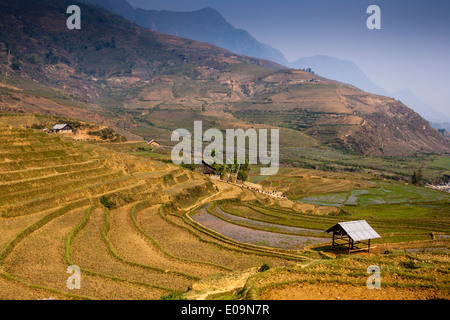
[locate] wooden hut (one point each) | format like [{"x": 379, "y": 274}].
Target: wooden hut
[
  {"x": 353, "y": 234},
  {"x": 154, "y": 143},
  {"x": 62, "y": 128},
  {"x": 205, "y": 169}
]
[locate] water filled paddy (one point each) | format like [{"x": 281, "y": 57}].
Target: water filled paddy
[
  {"x": 384, "y": 193},
  {"x": 244, "y": 231}
]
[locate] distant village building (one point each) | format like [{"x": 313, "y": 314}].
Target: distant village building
[
  {"x": 62, "y": 128},
  {"x": 352, "y": 233},
  {"x": 205, "y": 169},
  {"x": 154, "y": 143}
]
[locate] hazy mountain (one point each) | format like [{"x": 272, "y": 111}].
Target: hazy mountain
[
  {"x": 120, "y": 7},
  {"x": 206, "y": 25},
  {"x": 407, "y": 97},
  {"x": 340, "y": 70},
  {"x": 149, "y": 83}
]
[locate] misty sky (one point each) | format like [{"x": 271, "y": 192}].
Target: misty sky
[{"x": 412, "y": 49}]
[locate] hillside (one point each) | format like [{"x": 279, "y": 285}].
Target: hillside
[
  {"x": 146, "y": 84},
  {"x": 206, "y": 25},
  {"x": 109, "y": 47},
  {"x": 42, "y": 171}
]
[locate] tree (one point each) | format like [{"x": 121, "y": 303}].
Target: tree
[
  {"x": 220, "y": 171},
  {"x": 243, "y": 170},
  {"x": 242, "y": 175},
  {"x": 414, "y": 179},
  {"x": 264, "y": 267},
  {"x": 417, "y": 177}
]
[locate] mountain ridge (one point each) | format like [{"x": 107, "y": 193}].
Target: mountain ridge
[
  {"x": 149, "y": 83},
  {"x": 205, "y": 25}
]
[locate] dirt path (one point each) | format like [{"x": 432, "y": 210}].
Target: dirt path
[{"x": 226, "y": 191}]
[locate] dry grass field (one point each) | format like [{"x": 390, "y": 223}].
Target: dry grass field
[{"x": 404, "y": 276}]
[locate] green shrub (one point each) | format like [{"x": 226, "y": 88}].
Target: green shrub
[
  {"x": 108, "y": 203},
  {"x": 264, "y": 267}
]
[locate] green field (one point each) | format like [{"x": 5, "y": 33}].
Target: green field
[
  {"x": 384, "y": 193},
  {"x": 395, "y": 223}
]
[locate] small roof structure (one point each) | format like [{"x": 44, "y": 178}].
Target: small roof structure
[
  {"x": 60, "y": 126},
  {"x": 205, "y": 168},
  {"x": 153, "y": 142},
  {"x": 357, "y": 230}
]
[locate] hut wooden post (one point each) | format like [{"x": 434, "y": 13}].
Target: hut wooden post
[
  {"x": 332, "y": 244},
  {"x": 349, "y": 244}
]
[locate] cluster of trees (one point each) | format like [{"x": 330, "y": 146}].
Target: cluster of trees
[
  {"x": 13, "y": 54},
  {"x": 308, "y": 70},
  {"x": 108, "y": 134},
  {"x": 228, "y": 171},
  {"x": 50, "y": 121},
  {"x": 233, "y": 171}
]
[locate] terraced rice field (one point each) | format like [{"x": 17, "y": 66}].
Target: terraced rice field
[
  {"x": 297, "y": 183},
  {"x": 140, "y": 247},
  {"x": 252, "y": 236},
  {"x": 404, "y": 276},
  {"x": 395, "y": 223},
  {"x": 143, "y": 229}
]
